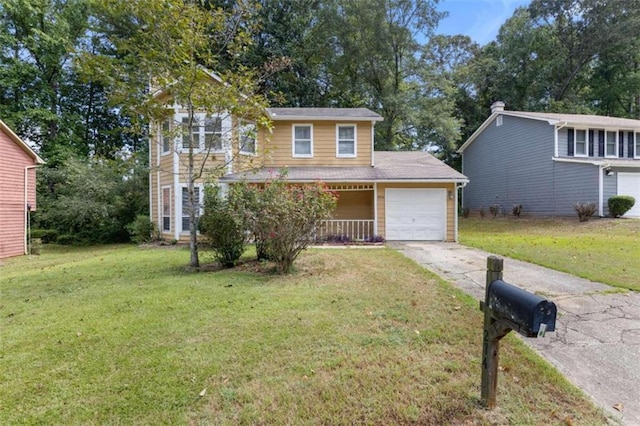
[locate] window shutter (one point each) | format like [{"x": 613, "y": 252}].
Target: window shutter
[
  {"x": 630, "y": 145},
  {"x": 601, "y": 143},
  {"x": 591, "y": 140},
  {"x": 570, "y": 142},
  {"x": 621, "y": 144}
]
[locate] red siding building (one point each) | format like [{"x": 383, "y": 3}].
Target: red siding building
[{"x": 18, "y": 164}]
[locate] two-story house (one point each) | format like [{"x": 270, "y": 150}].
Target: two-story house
[
  {"x": 18, "y": 164},
  {"x": 396, "y": 195},
  {"x": 548, "y": 162}
]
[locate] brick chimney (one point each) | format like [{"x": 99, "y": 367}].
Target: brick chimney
[{"x": 497, "y": 107}]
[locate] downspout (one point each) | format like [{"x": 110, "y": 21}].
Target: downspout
[
  {"x": 601, "y": 168},
  {"x": 375, "y": 208},
  {"x": 26, "y": 210},
  {"x": 177, "y": 189},
  {"x": 555, "y": 138},
  {"x": 458, "y": 186},
  {"x": 373, "y": 145}
]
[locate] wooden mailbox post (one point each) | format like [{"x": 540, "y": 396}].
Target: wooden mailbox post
[{"x": 507, "y": 308}]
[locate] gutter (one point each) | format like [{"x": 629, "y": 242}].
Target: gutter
[{"x": 27, "y": 229}]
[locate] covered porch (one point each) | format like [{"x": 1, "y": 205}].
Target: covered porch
[{"x": 354, "y": 217}]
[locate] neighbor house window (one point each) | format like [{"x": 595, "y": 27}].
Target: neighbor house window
[
  {"x": 165, "y": 131},
  {"x": 303, "y": 140},
  {"x": 611, "y": 144},
  {"x": 581, "y": 143},
  {"x": 187, "y": 207},
  {"x": 247, "y": 138},
  {"x": 636, "y": 151},
  {"x": 166, "y": 209},
  {"x": 213, "y": 133},
  {"x": 346, "y": 140}
]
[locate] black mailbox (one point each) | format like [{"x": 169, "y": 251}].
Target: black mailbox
[{"x": 525, "y": 312}]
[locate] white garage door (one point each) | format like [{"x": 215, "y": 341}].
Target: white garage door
[
  {"x": 416, "y": 214},
  {"x": 629, "y": 184}
]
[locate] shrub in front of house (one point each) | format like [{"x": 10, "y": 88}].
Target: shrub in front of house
[
  {"x": 466, "y": 211},
  {"x": 585, "y": 210},
  {"x": 223, "y": 225},
  {"x": 494, "y": 210},
  {"x": 142, "y": 230},
  {"x": 516, "y": 210},
  {"x": 620, "y": 204}
]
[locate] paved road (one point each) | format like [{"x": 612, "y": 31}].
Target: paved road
[{"x": 597, "y": 339}]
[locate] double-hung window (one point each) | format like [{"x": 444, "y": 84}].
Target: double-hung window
[
  {"x": 187, "y": 207},
  {"x": 165, "y": 136},
  {"x": 636, "y": 146},
  {"x": 212, "y": 133},
  {"x": 581, "y": 143},
  {"x": 611, "y": 143},
  {"x": 346, "y": 140},
  {"x": 190, "y": 132},
  {"x": 166, "y": 209},
  {"x": 247, "y": 138},
  {"x": 302, "y": 140}
]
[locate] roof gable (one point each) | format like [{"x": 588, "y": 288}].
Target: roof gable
[{"x": 15, "y": 138}]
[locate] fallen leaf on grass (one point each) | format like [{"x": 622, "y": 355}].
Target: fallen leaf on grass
[{"x": 203, "y": 392}]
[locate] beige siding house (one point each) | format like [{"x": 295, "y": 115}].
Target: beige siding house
[
  {"x": 394, "y": 195},
  {"x": 18, "y": 164}
]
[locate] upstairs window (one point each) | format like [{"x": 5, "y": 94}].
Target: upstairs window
[
  {"x": 187, "y": 133},
  {"x": 213, "y": 133},
  {"x": 611, "y": 144},
  {"x": 302, "y": 140},
  {"x": 346, "y": 140},
  {"x": 581, "y": 143},
  {"x": 165, "y": 135},
  {"x": 247, "y": 138}
]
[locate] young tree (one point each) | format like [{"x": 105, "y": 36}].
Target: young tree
[{"x": 164, "y": 52}]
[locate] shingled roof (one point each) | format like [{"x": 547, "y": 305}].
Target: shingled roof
[
  {"x": 334, "y": 114},
  {"x": 578, "y": 119},
  {"x": 389, "y": 167}
]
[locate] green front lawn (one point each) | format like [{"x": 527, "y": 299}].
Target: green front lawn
[
  {"x": 123, "y": 335},
  {"x": 603, "y": 250}
]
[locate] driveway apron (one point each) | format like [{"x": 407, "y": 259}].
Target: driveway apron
[{"x": 596, "y": 344}]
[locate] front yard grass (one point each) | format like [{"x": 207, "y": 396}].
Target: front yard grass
[
  {"x": 123, "y": 335},
  {"x": 602, "y": 250}
]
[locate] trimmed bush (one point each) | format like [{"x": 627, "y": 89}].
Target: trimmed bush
[
  {"x": 620, "y": 204},
  {"x": 142, "y": 230},
  {"x": 68, "y": 240},
  {"x": 45, "y": 235},
  {"x": 585, "y": 210},
  {"x": 482, "y": 211},
  {"x": 466, "y": 211},
  {"x": 494, "y": 210},
  {"x": 516, "y": 210}
]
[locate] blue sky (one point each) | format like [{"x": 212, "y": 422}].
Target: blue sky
[{"x": 479, "y": 19}]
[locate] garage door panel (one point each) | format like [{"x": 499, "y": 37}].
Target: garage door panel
[
  {"x": 415, "y": 214},
  {"x": 629, "y": 184}
]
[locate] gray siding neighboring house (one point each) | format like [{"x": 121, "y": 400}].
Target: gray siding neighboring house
[{"x": 549, "y": 162}]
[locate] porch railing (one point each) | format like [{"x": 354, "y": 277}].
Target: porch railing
[{"x": 355, "y": 230}]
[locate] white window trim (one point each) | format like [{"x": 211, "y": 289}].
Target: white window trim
[
  {"x": 161, "y": 208},
  {"x": 199, "y": 117},
  {"x": 293, "y": 140},
  {"x": 355, "y": 141},
  {"x": 241, "y": 127},
  {"x": 575, "y": 142},
  {"x": 636, "y": 144},
  {"x": 179, "y": 212},
  {"x": 616, "y": 144}
]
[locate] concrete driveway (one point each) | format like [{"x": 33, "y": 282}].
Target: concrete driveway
[{"x": 597, "y": 339}]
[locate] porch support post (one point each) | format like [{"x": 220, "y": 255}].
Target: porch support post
[{"x": 375, "y": 208}]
